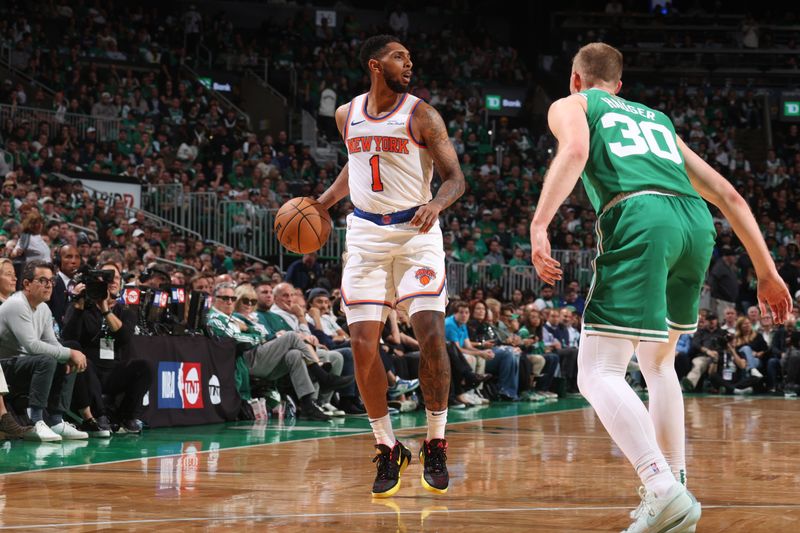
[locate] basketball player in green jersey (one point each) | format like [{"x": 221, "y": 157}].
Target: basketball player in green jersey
[{"x": 655, "y": 236}]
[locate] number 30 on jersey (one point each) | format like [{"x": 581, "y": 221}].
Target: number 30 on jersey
[{"x": 642, "y": 136}]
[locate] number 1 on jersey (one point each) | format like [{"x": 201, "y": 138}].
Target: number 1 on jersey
[{"x": 375, "y": 164}]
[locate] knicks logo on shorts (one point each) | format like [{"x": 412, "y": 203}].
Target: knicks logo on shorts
[{"x": 425, "y": 275}]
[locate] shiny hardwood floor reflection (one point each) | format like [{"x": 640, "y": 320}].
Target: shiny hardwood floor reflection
[{"x": 547, "y": 472}]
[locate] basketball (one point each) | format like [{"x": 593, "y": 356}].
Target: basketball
[{"x": 302, "y": 225}]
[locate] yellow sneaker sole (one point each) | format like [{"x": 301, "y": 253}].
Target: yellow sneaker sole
[
  {"x": 431, "y": 488},
  {"x": 391, "y": 492}
]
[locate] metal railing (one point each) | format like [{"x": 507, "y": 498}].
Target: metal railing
[
  {"x": 7, "y": 60},
  {"x": 157, "y": 221},
  {"x": 107, "y": 128},
  {"x": 163, "y": 200},
  {"x": 248, "y": 227},
  {"x": 577, "y": 266},
  {"x": 181, "y": 266},
  {"x": 232, "y": 223}
]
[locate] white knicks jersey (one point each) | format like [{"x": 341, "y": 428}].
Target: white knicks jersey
[{"x": 389, "y": 170}]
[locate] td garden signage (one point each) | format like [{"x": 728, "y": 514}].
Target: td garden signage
[
  {"x": 789, "y": 110},
  {"x": 506, "y": 101}
]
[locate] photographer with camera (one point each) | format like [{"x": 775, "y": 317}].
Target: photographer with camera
[
  {"x": 103, "y": 327},
  {"x": 154, "y": 277},
  {"x": 728, "y": 370}
]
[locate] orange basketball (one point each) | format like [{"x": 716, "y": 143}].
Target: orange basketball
[{"x": 302, "y": 225}]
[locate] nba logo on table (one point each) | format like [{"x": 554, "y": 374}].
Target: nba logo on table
[{"x": 179, "y": 385}]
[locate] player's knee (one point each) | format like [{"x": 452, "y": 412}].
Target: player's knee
[{"x": 363, "y": 347}]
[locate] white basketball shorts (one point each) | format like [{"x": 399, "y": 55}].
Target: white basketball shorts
[{"x": 391, "y": 266}]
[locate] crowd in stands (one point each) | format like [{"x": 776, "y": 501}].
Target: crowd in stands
[
  {"x": 689, "y": 27},
  {"x": 174, "y": 132}
]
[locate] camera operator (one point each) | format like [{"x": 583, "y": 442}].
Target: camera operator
[
  {"x": 103, "y": 327},
  {"x": 154, "y": 277},
  {"x": 728, "y": 368}
]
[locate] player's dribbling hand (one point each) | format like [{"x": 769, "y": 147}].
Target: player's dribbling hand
[
  {"x": 774, "y": 295},
  {"x": 425, "y": 217},
  {"x": 546, "y": 267}
]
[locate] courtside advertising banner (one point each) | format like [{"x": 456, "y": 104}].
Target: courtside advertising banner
[{"x": 193, "y": 380}]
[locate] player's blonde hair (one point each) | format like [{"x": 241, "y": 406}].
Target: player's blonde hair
[{"x": 598, "y": 62}]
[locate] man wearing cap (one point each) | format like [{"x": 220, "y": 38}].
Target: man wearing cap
[
  {"x": 724, "y": 281},
  {"x": 48, "y": 206},
  {"x": 119, "y": 237},
  {"x": 155, "y": 277},
  {"x": 84, "y": 246},
  {"x": 105, "y": 107},
  {"x": 319, "y": 314},
  {"x": 706, "y": 345}
]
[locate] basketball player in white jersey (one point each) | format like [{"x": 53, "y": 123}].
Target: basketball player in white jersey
[{"x": 394, "y": 254}]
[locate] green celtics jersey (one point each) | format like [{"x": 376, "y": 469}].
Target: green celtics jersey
[{"x": 632, "y": 148}]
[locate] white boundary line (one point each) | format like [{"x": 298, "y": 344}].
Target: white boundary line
[
  {"x": 305, "y": 516},
  {"x": 365, "y": 432}
]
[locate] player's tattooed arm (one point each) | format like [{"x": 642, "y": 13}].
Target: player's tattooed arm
[
  {"x": 341, "y": 186},
  {"x": 431, "y": 130}
]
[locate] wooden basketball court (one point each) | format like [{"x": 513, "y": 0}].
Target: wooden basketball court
[{"x": 514, "y": 467}]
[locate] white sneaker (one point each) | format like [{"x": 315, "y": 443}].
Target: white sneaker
[
  {"x": 69, "y": 432},
  {"x": 474, "y": 398},
  {"x": 42, "y": 433},
  {"x": 481, "y": 397},
  {"x": 748, "y": 390},
  {"x": 550, "y": 395},
  {"x": 331, "y": 410},
  {"x": 756, "y": 373},
  {"x": 677, "y": 511}
]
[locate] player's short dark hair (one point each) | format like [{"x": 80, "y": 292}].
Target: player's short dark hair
[{"x": 373, "y": 46}]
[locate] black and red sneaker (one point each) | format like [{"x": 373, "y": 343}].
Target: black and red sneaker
[
  {"x": 391, "y": 462},
  {"x": 433, "y": 456}
]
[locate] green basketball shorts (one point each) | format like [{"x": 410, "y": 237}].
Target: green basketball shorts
[{"x": 653, "y": 253}]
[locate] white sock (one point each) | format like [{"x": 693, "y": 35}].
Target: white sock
[
  {"x": 665, "y": 404},
  {"x": 437, "y": 420},
  {"x": 602, "y": 362},
  {"x": 382, "y": 429}
]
